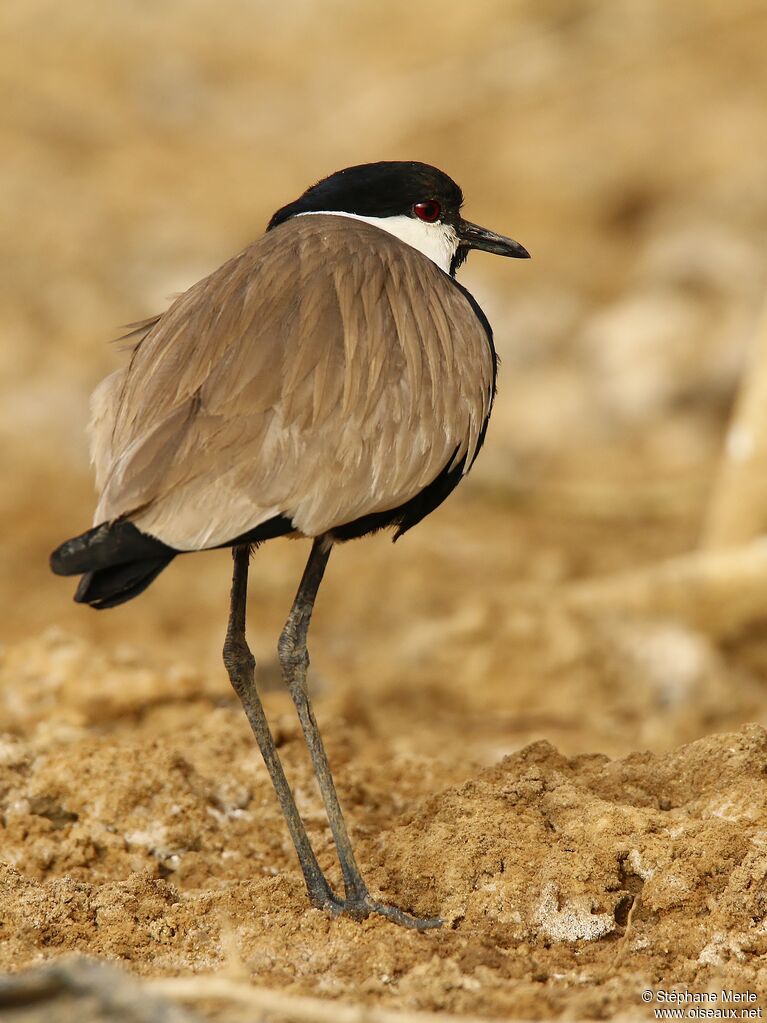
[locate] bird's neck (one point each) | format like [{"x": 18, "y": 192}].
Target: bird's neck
[{"x": 437, "y": 241}]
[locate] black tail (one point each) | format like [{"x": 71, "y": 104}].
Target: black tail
[{"x": 117, "y": 562}]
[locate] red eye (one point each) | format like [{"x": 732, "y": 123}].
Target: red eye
[{"x": 428, "y": 211}]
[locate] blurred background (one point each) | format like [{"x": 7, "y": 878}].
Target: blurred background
[{"x": 623, "y": 143}]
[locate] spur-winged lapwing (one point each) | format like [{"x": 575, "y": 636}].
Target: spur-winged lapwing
[{"x": 331, "y": 380}]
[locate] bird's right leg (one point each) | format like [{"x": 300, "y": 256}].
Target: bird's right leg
[
  {"x": 294, "y": 658},
  {"x": 240, "y": 664}
]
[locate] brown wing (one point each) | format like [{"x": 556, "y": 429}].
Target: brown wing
[{"x": 327, "y": 372}]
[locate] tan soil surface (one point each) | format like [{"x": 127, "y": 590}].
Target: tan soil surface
[
  {"x": 140, "y": 825},
  {"x": 468, "y": 701},
  {"x": 140, "y": 830}
]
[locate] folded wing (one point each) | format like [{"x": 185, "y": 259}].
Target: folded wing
[{"x": 327, "y": 372}]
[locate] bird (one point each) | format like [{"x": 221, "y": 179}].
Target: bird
[{"x": 331, "y": 380}]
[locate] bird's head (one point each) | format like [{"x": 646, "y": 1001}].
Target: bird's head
[{"x": 414, "y": 201}]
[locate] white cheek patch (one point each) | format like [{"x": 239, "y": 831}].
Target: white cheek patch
[{"x": 437, "y": 241}]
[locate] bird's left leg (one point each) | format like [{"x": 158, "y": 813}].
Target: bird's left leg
[
  {"x": 294, "y": 659},
  {"x": 241, "y": 665}
]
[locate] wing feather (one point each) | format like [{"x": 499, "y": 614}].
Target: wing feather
[{"x": 327, "y": 372}]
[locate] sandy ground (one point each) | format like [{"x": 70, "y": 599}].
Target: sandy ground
[
  {"x": 575, "y": 784},
  {"x": 142, "y": 828}
]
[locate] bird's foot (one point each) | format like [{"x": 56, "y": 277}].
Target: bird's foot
[
  {"x": 363, "y": 905},
  {"x": 369, "y": 905}
]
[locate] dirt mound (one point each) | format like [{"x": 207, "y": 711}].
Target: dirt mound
[{"x": 153, "y": 837}]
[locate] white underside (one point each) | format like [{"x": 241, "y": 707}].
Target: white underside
[{"x": 437, "y": 241}]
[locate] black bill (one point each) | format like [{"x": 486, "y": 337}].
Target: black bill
[{"x": 474, "y": 237}]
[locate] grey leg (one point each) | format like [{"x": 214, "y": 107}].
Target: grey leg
[
  {"x": 240, "y": 664},
  {"x": 294, "y": 659}
]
